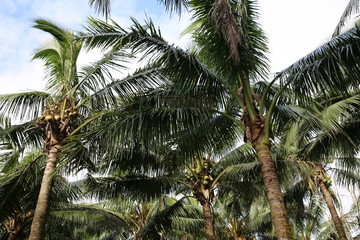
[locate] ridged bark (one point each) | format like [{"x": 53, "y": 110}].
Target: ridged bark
[
  {"x": 38, "y": 224},
  {"x": 209, "y": 228},
  {"x": 334, "y": 215},
  {"x": 279, "y": 216}
]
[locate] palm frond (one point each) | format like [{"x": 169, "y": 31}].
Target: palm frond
[
  {"x": 165, "y": 219},
  {"x": 339, "y": 112},
  {"x": 183, "y": 67},
  {"x": 101, "y": 6},
  {"x": 60, "y": 57},
  {"x": 216, "y": 42},
  {"x": 244, "y": 153},
  {"x": 346, "y": 178},
  {"x": 334, "y": 66},
  {"x": 19, "y": 189},
  {"x": 96, "y": 76},
  {"x": 175, "y": 5},
  {"x": 351, "y": 8},
  {"x": 130, "y": 186},
  {"x": 23, "y": 106},
  {"x": 225, "y": 21},
  {"x": 25, "y": 134},
  {"x": 125, "y": 89},
  {"x": 85, "y": 212},
  {"x": 57, "y": 32}
]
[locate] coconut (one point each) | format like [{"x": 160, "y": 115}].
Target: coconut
[
  {"x": 57, "y": 117},
  {"x": 48, "y": 117}
]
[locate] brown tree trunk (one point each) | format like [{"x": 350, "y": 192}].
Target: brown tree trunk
[
  {"x": 38, "y": 224},
  {"x": 279, "y": 216},
  {"x": 12, "y": 236},
  {"x": 334, "y": 215},
  {"x": 209, "y": 229}
]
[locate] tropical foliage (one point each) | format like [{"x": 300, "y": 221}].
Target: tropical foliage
[{"x": 196, "y": 143}]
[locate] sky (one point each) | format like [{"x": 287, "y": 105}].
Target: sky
[{"x": 294, "y": 28}]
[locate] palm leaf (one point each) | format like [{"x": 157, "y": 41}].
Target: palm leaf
[
  {"x": 23, "y": 106},
  {"x": 351, "y": 8},
  {"x": 130, "y": 186},
  {"x": 25, "y": 134},
  {"x": 165, "y": 219},
  {"x": 57, "y": 32},
  {"x": 95, "y": 76},
  {"x": 18, "y": 189},
  {"x": 334, "y": 66},
  {"x": 101, "y": 6},
  {"x": 230, "y": 30}
]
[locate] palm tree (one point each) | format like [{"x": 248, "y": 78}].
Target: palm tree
[
  {"x": 87, "y": 221},
  {"x": 19, "y": 189},
  {"x": 221, "y": 184},
  {"x": 62, "y": 109},
  {"x": 316, "y": 180},
  {"x": 324, "y": 134},
  {"x": 232, "y": 76},
  {"x": 147, "y": 216},
  {"x": 230, "y": 52}
]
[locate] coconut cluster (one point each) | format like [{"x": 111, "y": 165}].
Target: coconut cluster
[
  {"x": 199, "y": 177},
  {"x": 321, "y": 176},
  {"x": 57, "y": 121},
  {"x": 326, "y": 179},
  {"x": 55, "y": 114}
]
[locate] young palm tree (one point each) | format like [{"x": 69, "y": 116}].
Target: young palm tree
[
  {"x": 314, "y": 185},
  {"x": 148, "y": 214},
  {"x": 54, "y": 115},
  {"x": 19, "y": 189},
  {"x": 87, "y": 221},
  {"x": 326, "y": 133}
]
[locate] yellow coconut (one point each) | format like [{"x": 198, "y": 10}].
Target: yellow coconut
[
  {"x": 57, "y": 117},
  {"x": 48, "y": 117}
]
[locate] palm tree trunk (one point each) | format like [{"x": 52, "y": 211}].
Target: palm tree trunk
[
  {"x": 279, "y": 216},
  {"x": 39, "y": 220},
  {"x": 12, "y": 236},
  {"x": 209, "y": 229},
  {"x": 334, "y": 215}
]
